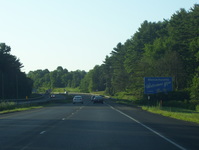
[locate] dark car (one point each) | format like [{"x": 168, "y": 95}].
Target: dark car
[{"x": 98, "y": 99}]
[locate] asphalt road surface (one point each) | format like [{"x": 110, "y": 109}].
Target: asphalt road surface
[{"x": 94, "y": 127}]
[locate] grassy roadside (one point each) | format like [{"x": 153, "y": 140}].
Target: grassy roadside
[
  {"x": 10, "y": 107},
  {"x": 172, "y": 112},
  {"x": 177, "y": 113},
  {"x": 20, "y": 109}
]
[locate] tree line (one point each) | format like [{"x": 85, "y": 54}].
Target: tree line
[
  {"x": 13, "y": 83},
  {"x": 168, "y": 48},
  {"x": 45, "y": 79}
]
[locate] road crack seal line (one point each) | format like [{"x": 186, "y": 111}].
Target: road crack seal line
[
  {"x": 25, "y": 147},
  {"x": 42, "y": 132},
  {"x": 155, "y": 132}
]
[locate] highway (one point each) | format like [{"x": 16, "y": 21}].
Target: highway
[{"x": 91, "y": 126}]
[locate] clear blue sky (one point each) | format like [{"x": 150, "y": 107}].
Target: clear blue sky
[{"x": 75, "y": 34}]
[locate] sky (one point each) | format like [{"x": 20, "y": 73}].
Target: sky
[{"x": 75, "y": 34}]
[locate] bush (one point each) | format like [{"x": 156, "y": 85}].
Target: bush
[
  {"x": 197, "y": 108},
  {"x": 178, "y": 104},
  {"x": 193, "y": 104},
  {"x": 171, "y": 99},
  {"x": 7, "y": 105},
  {"x": 125, "y": 95}
]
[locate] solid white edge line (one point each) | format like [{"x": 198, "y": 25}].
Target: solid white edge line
[{"x": 155, "y": 132}]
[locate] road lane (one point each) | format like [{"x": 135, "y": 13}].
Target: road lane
[
  {"x": 183, "y": 133},
  {"x": 15, "y": 128},
  {"x": 100, "y": 127},
  {"x": 150, "y": 129},
  {"x": 74, "y": 127}
]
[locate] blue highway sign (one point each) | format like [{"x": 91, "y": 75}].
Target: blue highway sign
[{"x": 154, "y": 85}]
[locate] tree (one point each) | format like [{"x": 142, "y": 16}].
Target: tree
[
  {"x": 108, "y": 75},
  {"x": 120, "y": 75},
  {"x": 183, "y": 30},
  {"x": 14, "y": 83}
]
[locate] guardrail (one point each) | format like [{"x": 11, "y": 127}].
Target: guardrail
[{"x": 29, "y": 100}]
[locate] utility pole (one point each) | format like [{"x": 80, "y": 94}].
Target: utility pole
[
  {"x": 2, "y": 79},
  {"x": 17, "y": 88}
]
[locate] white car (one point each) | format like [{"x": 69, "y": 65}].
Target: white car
[
  {"x": 92, "y": 97},
  {"x": 78, "y": 99}
]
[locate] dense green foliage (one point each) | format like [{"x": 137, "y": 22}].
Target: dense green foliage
[
  {"x": 13, "y": 82},
  {"x": 169, "y": 48},
  {"x": 57, "y": 78}
]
